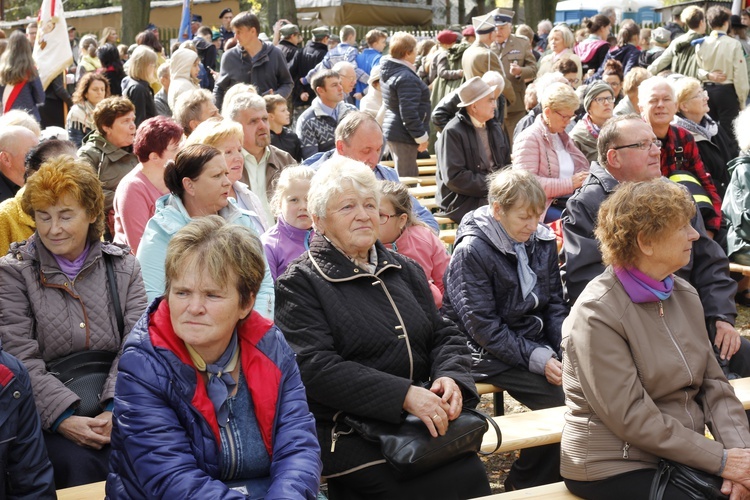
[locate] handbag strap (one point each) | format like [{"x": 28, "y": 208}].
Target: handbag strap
[
  {"x": 660, "y": 481},
  {"x": 113, "y": 292},
  {"x": 494, "y": 424}
]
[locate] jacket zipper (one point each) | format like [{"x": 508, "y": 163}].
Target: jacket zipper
[
  {"x": 625, "y": 450},
  {"x": 336, "y": 434},
  {"x": 682, "y": 355}
]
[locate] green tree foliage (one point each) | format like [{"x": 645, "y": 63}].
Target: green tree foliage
[{"x": 537, "y": 10}]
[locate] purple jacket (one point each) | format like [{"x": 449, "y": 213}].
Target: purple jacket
[{"x": 284, "y": 243}]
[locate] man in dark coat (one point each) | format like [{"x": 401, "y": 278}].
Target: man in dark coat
[
  {"x": 708, "y": 270},
  {"x": 308, "y": 58},
  {"x": 467, "y": 153}
]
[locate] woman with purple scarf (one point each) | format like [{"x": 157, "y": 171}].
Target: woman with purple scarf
[
  {"x": 641, "y": 383},
  {"x": 57, "y": 300}
]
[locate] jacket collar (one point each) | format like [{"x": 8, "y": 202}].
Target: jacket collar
[
  {"x": 598, "y": 175},
  {"x": 334, "y": 266},
  {"x": 479, "y": 222}
]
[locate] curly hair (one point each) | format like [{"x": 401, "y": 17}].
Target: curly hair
[
  {"x": 64, "y": 175},
  {"x": 79, "y": 96},
  {"x": 649, "y": 209}
]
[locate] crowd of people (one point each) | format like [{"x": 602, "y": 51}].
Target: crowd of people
[{"x": 216, "y": 234}]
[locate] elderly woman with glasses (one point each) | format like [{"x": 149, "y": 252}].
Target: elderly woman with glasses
[
  {"x": 641, "y": 383},
  {"x": 371, "y": 343},
  {"x": 715, "y": 147},
  {"x": 599, "y": 101},
  {"x": 545, "y": 150}
]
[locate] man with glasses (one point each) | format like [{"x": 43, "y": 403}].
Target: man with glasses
[
  {"x": 656, "y": 100},
  {"x": 630, "y": 152}
]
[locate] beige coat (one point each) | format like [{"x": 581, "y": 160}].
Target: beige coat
[
  {"x": 478, "y": 60},
  {"x": 640, "y": 382},
  {"x": 519, "y": 50}
]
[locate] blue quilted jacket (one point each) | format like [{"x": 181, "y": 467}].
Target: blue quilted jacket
[
  {"x": 165, "y": 437},
  {"x": 483, "y": 295},
  {"x": 407, "y": 102}
]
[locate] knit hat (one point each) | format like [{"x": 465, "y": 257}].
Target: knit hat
[
  {"x": 483, "y": 24},
  {"x": 473, "y": 90},
  {"x": 593, "y": 90},
  {"x": 447, "y": 36}
]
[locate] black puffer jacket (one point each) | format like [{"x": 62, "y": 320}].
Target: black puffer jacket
[
  {"x": 407, "y": 102},
  {"x": 361, "y": 341},
  {"x": 463, "y": 169},
  {"x": 483, "y": 295},
  {"x": 307, "y": 59}
]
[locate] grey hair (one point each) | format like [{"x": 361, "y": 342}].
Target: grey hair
[
  {"x": 336, "y": 175},
  {"x": 21, "y": 118},
  {"x": 351, "y": 123},
  {"x": 241, "y": 102},
  {"x": 189, "y": 106},
  {"x": 512, "y": 186},
  {"x": 648, "y": 85},
  {"x": 236, "y": 89},
  {"x": 545, "y": 25}
]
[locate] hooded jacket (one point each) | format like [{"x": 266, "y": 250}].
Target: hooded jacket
[
  {"x": 407, "y": 102},
  {"x": 628, "y": 55},
  {"x": 47, "y": 316},
  {"x": 180, "y": 66},
  {"x": 165, "y": 436},
  {"x": 483, "y": 295},
  {"x": 679, "y": 56},
  {"x": 462, "y": 168},
  {"x": 169, "y": 217}
]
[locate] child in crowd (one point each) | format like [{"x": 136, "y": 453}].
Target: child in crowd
[
  {"x": 290, "y": 237},
  {"x": 278, "y": 120},
  {"x": 402, "y": 232}
]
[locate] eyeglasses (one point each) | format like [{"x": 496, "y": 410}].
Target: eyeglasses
[
  {"x": 702, "y": 95},
  {"x": 566, "y": 118},
  {"x": 384, "y": 218},
  {"x": 573, "y": 81},
  {"x": 643, "y": 145},
  {"x": 602, "y": 100}
]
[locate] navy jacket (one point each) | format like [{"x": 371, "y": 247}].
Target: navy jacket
[
  {"x": 407, "y": 102},
  {"x": 483, "y": 296},
  {"x": 25, "y": 470},
  {"x": 165, "y": 437}
]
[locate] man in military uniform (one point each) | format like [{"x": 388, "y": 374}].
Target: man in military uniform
[
  {"x": 479, "y": 58},
  {"x": 518, "y": 63}
]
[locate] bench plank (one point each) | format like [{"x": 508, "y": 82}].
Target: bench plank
[
  {"x": 92, "y": 491},
  {"x": 526, "y": 430},
  {"x": 428, "y": 169},
  {"x": 448, "y": 236},
  {"x": 552, "y": 491},
  {"x": 423, "y": 191},
  {"x": 737, "y": 268}
]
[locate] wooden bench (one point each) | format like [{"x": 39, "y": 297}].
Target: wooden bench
[
  {"x": 448, "y": 236},
  {"x": 428, "y": 170},
  {"x": 421, "y": 162},
  {"x": 423, "y": 191},
  {"x": 409, "y": 181},
  {"x": 93, "y": 491},
  {"x": 444, "y": 221},
  {"x": 554, "y": 491},
  {"x": 428, "y": 203},
  {"x": 737, "y": 268}
]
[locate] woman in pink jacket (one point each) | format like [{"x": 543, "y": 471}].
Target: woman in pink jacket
[{"x": 545, "y": 150}]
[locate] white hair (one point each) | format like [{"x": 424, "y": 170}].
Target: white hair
[
  {"x": 240, "y": 102},
  {"x": 336, "y": 175},
  {"x": 648, "y": 85}
]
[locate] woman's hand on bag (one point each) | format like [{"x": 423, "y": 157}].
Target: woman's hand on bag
[
  {"x": 450, "y": 393},
  {"x": 85, "y": 431},
  {"x": 429, "y": 408},
  {"x": 737, "y": 468}
]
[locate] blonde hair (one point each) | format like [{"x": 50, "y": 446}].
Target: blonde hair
[
  {"x": 560, "y": 96},
  {"x": 140, "y": 61},
  {"x": 684, "y": 89},
  {"x": 286, "y": 178},
  {"x": 398, "y": 194},
  {"x": 649, "y": 209},
  {"x": 215, "y": 130}
]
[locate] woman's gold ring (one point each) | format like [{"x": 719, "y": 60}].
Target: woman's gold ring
[{"x": 434, "y": 417}]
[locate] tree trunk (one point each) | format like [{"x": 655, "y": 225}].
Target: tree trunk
[
  {"x": 135, "y": 18},
  {"x": 461, "y": 12},
  {"x": 537, "y": 10},
  {"x": 272, "y": 11},
  {"x": 447, "y": 12},
  {"x": 288, "y": 10}
]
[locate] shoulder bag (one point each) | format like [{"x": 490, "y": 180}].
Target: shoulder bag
[
  {"x": 695, "y": 483},
  {"x": 85, "y": 372},
  {"x": 410, "y": 449}
]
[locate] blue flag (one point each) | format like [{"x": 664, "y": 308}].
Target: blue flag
[{"x": 185, "y": 32}]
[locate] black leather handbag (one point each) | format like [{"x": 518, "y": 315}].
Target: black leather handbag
[
  {"x": 695, "y": 483},
  {"x": 85, "y": 372},
  {"x": 410, "y": 449}
]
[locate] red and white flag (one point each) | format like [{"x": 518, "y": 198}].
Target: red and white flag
[{"x": 52, "y": 52}]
